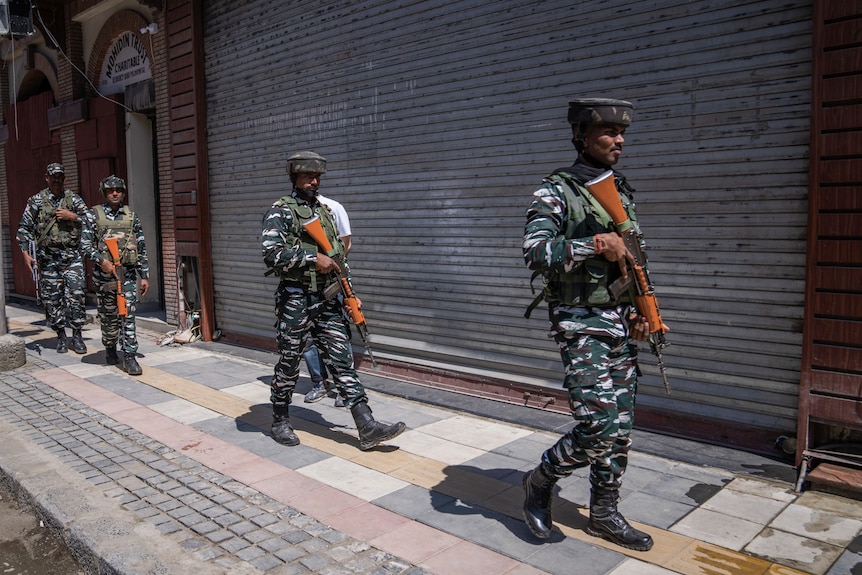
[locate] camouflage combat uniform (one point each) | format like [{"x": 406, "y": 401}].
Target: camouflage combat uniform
[
  {"x": 58, "y": 255},
  {"x": 125, "y": 225},
  {"x": 590, "y": 328},
  {"x": 291, "y": 251},
  {"x": 299, "y": 305},
  {"x": 571, "y": 241}
]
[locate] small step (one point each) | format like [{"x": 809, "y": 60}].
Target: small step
[{"x": 836, "y": 476}]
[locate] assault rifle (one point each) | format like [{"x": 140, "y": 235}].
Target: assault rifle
[
  {"x": 341, "y": 285},
  {"x": 604, "y": 190},
  {"x": 120, "y": 274},
  {"x": 35, "y": 271}
]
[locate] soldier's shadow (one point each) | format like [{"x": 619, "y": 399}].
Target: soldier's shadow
[
  {"x": 487, "y": 496},
  {"x": 36, "y": 345}
]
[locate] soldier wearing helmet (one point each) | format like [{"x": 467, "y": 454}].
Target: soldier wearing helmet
[
  {"x": 569, "y": 240},
  {"x": 306, "y": 163},
  {"x": 300, "y": 307},
  {"x": 52, "y": 223},
  {"x": 114, "y": 219}
]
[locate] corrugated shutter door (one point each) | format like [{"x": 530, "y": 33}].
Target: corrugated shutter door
[{"x": 440, "y": 118}]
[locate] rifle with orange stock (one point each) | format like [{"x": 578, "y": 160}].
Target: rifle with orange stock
[
  {"x": 604, "y": 190},
  {"x": 119, "y": 273},
  {"x": 341, "y": 285}
]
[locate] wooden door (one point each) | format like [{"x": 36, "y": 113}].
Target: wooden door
[
  {"x": 30, "y": 148},
  {"x": 830, "y": 400}
]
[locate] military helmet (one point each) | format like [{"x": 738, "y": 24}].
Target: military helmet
[
  {"x": 600, "y": 111},
  {"x": 113, "y": 183},
  {"x": 305, "y": 162},
  {"x": 590, "y": 111}
]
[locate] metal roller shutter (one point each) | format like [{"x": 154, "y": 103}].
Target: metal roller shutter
[{"x": 440, "y": 118}]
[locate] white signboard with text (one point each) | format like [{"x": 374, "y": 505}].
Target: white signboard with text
[{"x": 125, "y": 63}]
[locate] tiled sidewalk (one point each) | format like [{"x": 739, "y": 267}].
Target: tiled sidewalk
[{"x": 443, "y": 498}]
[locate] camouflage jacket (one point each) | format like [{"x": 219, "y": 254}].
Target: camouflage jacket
[
  {"x": 287, "y": 248},
  {"x": 38, "y": 223},
  {"x": 559, "y": 240},
  {"x": 93, "y": 244}
]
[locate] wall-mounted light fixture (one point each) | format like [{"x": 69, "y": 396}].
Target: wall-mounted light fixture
[{"x": 151, "y": 28}]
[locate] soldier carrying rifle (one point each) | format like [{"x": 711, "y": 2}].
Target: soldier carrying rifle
[
  {"x": 300, "y": 243},
  {"x": 116, "y": 244},
  {"x": 51, "y": 227},
  {"x": 572, "y": 241}
]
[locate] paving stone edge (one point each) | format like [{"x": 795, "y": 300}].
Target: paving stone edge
[{"x": 102, "y": 536}]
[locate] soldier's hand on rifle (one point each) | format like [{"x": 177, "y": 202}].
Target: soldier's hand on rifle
[
  {"x": 613, "y": 248},
  {"x": 108, "y": 267},
  {"x": 326, "y": 264},
  {"x": 639, "y": 327}
]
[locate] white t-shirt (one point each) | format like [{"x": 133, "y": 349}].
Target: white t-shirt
[{"x": 342, "y": 222}]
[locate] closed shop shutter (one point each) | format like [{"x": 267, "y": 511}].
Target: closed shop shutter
[{"x": 440, "y": 118}]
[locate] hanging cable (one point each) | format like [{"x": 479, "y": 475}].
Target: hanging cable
[{"x": 59, "y": 49}]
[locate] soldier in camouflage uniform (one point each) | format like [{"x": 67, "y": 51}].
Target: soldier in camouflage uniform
[
  {"x": 115, "y": 220},
  {"x": 301, "y": 309},
  {"x": 570, "y": 241},
  {"x": 53, "y": 219}
]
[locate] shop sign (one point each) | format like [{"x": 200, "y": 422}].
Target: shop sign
[{"x": 125, "y": 63}]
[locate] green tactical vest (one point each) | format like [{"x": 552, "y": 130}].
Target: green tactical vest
[
  {"x": 51, "y": 232},
  {"x": 586, "y": 284},
  {"x": 122, "y": 229},
  {"x": 309, "y": 276}
]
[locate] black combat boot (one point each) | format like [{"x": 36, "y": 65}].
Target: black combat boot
[
  {"x": 62, "y": 347},
  {"x": 281, "y": 430},
  {"x": 111, "y": 357},
  {"x": 606, "y": 522},
  {"x": 130, "y": 364},
  {"x": 78, "y": 345},
  {"x": 538, "y": 488},
  {"x": 373, "y": 432}
]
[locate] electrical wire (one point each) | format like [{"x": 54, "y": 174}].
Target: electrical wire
[{"x": 59, "y": 49}]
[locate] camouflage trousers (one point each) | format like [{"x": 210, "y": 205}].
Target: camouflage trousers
[
  {"x": 109, "y": 317},
  {"x": 63, "y": 286},
  {"x": 601, "y": 378},
  {"x": 301, "y": 314}
]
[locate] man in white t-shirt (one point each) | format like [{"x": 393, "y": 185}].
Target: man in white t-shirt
[
  {"x": 316, "y": 367},
  {"x": 342, "y": 222}
]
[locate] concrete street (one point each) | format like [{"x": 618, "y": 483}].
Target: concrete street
[{"x": 174, "y": 472}]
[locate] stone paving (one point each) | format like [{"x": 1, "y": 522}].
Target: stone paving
[
  {"x": 184, "y": 449},
  {"x": 210, "y": 515}
]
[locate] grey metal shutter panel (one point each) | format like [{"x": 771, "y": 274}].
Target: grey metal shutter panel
[{"x": 440, "y": 118}]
